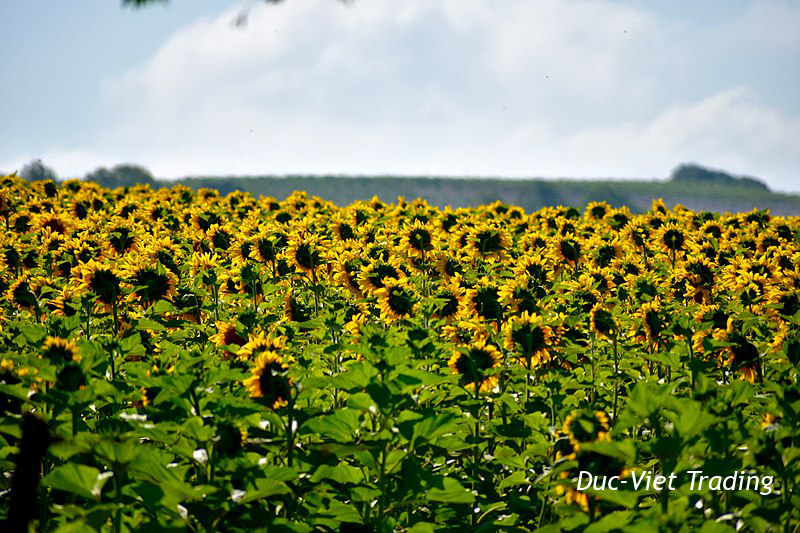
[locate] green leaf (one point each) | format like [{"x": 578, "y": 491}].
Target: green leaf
[
  {"x": 264, "y": 488},
  {"x": 449, "y": 490},
  {"x": 339, "y": 473},
  {"x": 339, "y": 426},
  {"x": 85, "y": 481},
  {"x": 611, "y": 521},
  {"x": 429, "y": 428}
]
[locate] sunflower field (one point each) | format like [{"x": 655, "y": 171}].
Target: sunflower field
[{"x": 193, "y": 362}]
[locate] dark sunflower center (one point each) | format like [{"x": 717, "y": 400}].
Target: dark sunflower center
[
  {"x": 450, "y": 305},
  {"x": 603, "y": 321},
  {"x": 81, "y": 210},
  {"x": 12, "y": 258},
  {"x": 673, "y": 239},
  {"x": 474, "y": 365},
  {"x": 121, "y": 239},
  {"x": 273, "y": 383},
  {"x": 346, "y": 231},
  {"x": 307, "y": 257},
  {"x": 265, "y": 249},
  {"x": 152, "y": 285},
  {"x": 605, "y": 255},
  {"x": 400, "y": 301},
  {"x": 789, "y": 304},
  {"x": 380, "y": 273},
  {"x": 487, "y": 303},
  {"x": 420, "y": 239},
  {"x": 449, "y": 221},
  {"x": 703, "y": 272},
  {"x": 598, "y": 211},
  {"x": 653, "y": 322},
  {"x": 55, "y": 225},
  {"x": 569, "y": 249},
  {"x": 744, "y": 352},
  {"x": 584, "y": 430},
  {"x": 207, "y": 219},
  {"x": 105, "y": 285},
  {"x": 530, "y": 338},
  {"x": 489, "y": 242},
  {"x": 221, "y": 240},
  {"x": 23, "y": 295},
  {"x": 58, "y": 354}
]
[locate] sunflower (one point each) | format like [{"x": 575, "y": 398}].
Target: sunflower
[
  {"x": 606, "y": 252},
  {"x": 596, "y": 211},
  {"x": 743, "y": 356},
  {"x": 240, "y": 250},
  {"x": 307, "y": 252},
  {"x": 59, "y": 351},
  {"x": 21, "y": 294},
  {"x": 103, "y": 281},
  {"x": 221, "y": 237},
  {"x": 52, "y": 222},
  {"x": 123, "y": 239},
  {"x": 475, "y": 365},
  {"x": 452, "y": 302},
  {"x": 71, "y": 378},
  {"x": 583, "y": 428},
  {"x": 65, "y": 304},
  {"x": 343, "y": 228},
  {"x": 566, "y": 249},
  {"x": 464, "y": 332},
  {"x": 419, "y": 239},
  {"x": 269, "y": 381},
  {"x": 353, "y": 326},
  {"x": 259, "y": 344},
  {"x": 636, "y": 233},
  {"x": 483, "y": 302},
  {"x": 150, "y": 283},
  {"x": 206, "y": 266},
  {"x": 378, "y": 272},
  {"x": 489, "y": 242},
  {"x": 602, "y": 321},
  {"x": 653, "y": 322},
  {"x": 203, "y": 219},
  {"x": 534, "y": 269},
  {"x": 449, "y": 266},
  {"x": 672, "y": 240},
  {"x": 521, "y": 295},
  {"x": 529, "y": 337},
  {"x": 227, "y": 335},
  {"x": 397, "y": 300},
  {"x": 346, "y": 270}
]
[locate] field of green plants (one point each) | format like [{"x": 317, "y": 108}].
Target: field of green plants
[{"x": 176, "y": 360}]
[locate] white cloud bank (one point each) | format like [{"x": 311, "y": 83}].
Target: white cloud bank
[{"x": 453, "y": 87}]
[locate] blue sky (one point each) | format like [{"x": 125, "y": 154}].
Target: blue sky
[{"x": 553, "y": 88}]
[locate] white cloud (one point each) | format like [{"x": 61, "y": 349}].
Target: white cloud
[{"x": 552, "y": 87}]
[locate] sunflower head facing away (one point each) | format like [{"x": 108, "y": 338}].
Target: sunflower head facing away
[
  {"x": 529, "y": 336},
  {"x": 475, "y": 365},
  {"x": 269, "y": 381},
  {"x": 60, "y": 351},
  {"x": 397, "y": 300}
]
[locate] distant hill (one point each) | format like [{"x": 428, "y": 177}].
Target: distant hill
[
  {"x": 692, "y": 173},
  {"x": 694, "y": 186},
  {"x": 531, "y": 194}
]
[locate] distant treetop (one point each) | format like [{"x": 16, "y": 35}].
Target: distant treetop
[{"x": 696, "y": 173}]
